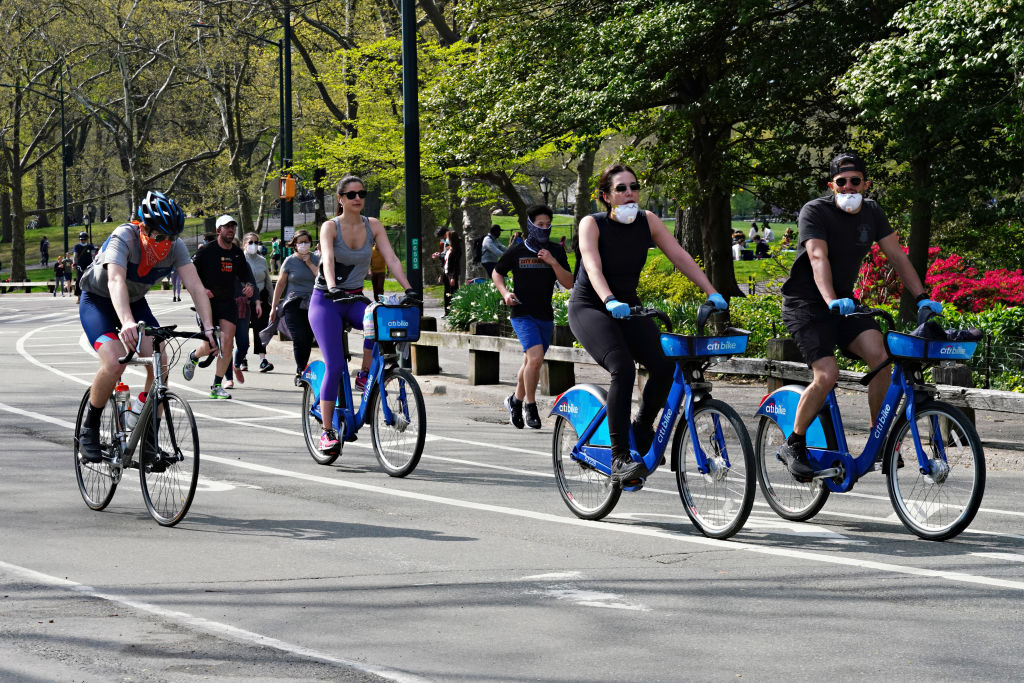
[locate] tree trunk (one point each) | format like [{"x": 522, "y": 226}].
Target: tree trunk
[
  {"x": 584, "y": 180},
  {"x": 42, "y": 218},
  {"x": 318, "y": 192},
  {"x": 687, "y": 231},
  {"x": 920, "y": 229},
  {"x": 713, "y": 210},
  {"x": 476, "y": 221},
  {"x": 6, "y": 230}
]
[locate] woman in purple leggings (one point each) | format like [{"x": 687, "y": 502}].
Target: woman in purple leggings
[{"x": 346, "y": 244}]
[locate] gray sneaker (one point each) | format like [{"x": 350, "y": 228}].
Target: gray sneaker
[
  {"x": 188, "y": 369},
  {"x": 217, "y": 391}
]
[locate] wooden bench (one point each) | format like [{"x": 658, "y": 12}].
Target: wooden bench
[
  {"x": 557, "y": 374},
  {"x": 27, "y": 286}
]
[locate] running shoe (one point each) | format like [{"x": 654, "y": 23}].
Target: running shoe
[
  {"x": 532, "y": 418},
  {"x": 243, "y": 366},
  {"x": 626, "y": 471},
  {"x": 329, "y": 442},
  {"x": 515, "y": 411},
  {"x": 239, "y": 377},
  {"x": 266, "y": 365},
  {"x": 217, "y": 391},
  {"x": 361, "y": 379},
  {"x": 229, "y": 384},
  {"x": 188, "y": 369}
]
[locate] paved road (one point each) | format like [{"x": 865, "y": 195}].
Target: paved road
[{"x": 469, "y": 569}]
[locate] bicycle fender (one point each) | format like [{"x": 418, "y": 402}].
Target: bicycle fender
[
  {"x": 780, "y": 407},
  {"x": 313, "y": 375},
  {"x": 579, "y": 404}
]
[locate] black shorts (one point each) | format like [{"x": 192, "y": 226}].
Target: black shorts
[
  {"x": 817, "y": 332},
  {"x": 224, "y": 308}
]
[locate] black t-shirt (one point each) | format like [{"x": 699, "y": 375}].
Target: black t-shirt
[
  {"x": 533, "y": 279},
  {"x": 83, "y": 253},
  {"x": 849, "y": 237},
  {"x": 623, "y": 251},
  {"x": 219, "y": 268}
]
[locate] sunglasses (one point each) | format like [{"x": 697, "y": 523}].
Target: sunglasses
[
  {"x": 352, "y": 194},
  {"x": 635, "y": 186},
  {"x": 854, "y": 181},
  {"x": 159, "y": 237},
  {"x": 252, "y": 242}
]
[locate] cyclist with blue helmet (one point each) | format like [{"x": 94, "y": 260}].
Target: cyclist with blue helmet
[{"x": 133, "y": 258}]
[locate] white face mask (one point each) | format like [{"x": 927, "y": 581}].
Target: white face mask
[
  {"x": 850, "y": 203},
  {"x": 250, "y": 249},
  {"x": 625, "y": 213},
  {"x": 302, "y": 247}
]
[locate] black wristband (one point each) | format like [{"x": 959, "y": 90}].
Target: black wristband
[
  {"x": 608, "y": 298},
  {"x": 920, "y": 297}
]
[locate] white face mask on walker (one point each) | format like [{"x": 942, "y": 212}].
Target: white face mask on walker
[
  {"x": 624, "y": 213},
  {"x": 850, "y": 203}
]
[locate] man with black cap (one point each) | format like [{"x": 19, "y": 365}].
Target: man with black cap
[
  {"x": 836, "y": 233},
  {"x": 82, "y": 254}
]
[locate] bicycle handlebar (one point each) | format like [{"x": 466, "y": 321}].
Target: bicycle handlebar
[
  {"x": 641, "y": 312},
  {"x": 164, "y": 333},
  {"x": 862, "y": 311}
]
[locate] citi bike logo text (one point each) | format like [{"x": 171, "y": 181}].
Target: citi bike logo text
[
  {"x": 721, "y": 346},
  {"x": 569, "y": 409},
  {"x": 398, "y": 323},
  {"x": 952, "y": 349},
  {"x": 774, "y": 409},
  {"x": 882, "y": 418}
]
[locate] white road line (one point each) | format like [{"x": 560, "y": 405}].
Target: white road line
[{"x": 201, "y": 624}]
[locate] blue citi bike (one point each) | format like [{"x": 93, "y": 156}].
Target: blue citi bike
[
  {"x": 391, "y": 402},
  {"x": 711, "y": 455},
  {"x": 930, "y": 452}
]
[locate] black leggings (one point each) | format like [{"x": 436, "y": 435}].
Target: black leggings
[
  {"x": 615, "y": 345},
  {"x": 297, "y": 319}
]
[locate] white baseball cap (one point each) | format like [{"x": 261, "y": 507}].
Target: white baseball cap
[{"x": 225, "y": 219}]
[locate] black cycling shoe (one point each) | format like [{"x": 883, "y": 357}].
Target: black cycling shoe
[
  {"x": 153, "y": 458},
  {"x": 532, "y": 418},
  {"x": 89, "y": 444},
  {"x": 795, "y": 459},
  {"x": 643, "y": 436},
  {"x": 625, "y": 470}
]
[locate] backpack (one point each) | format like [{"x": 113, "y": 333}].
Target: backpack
[{"x": 477, "y": 249}]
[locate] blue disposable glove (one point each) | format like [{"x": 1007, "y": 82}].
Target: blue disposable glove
[
  {"x": 934, "y": 306},
  {"x": 844, "y": 306},
  {"x": 719, "y": 302},
  {"x": 617, "y": 308}
]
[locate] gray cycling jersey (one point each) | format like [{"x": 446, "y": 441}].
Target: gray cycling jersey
[{"x": 123, "y": 248}]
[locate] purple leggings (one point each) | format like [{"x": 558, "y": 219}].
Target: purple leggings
[{"x": 327, "y": 319}]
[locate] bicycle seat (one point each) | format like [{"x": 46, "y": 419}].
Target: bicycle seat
[{"x": 685, "y": 346}]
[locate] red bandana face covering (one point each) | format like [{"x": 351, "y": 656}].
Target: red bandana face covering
[{"x": 152, "y": 252}]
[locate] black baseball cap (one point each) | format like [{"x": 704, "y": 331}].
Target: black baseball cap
[
  {"x": 847, "y": 161},
  {"x": 83, "y": 235}
]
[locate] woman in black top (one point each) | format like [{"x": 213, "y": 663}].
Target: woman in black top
[{"x": 614, "y": 246}]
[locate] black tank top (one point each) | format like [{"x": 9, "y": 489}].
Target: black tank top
[{"x": 623, "y": 251}]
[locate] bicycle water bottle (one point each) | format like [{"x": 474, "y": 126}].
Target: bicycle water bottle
[
  {"x": 121, "y": 396},
  {"x": 131, "y": 418}
]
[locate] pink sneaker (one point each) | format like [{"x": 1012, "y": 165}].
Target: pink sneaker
[
  {"x": 361, "y": 379},
  {"x": 329, "y": 442}
]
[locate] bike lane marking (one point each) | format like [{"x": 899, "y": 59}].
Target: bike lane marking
[{"x": 216, "y": 628}]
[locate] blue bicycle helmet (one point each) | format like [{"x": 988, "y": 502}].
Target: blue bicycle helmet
[{"x": 159, "y": 212}]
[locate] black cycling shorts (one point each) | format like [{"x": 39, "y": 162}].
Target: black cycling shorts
[{"x": 817, "y": 332}]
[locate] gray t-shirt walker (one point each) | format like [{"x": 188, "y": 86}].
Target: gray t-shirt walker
[
  {"x": 300, "y": 277},
  {"x": 124, "y": 248}
]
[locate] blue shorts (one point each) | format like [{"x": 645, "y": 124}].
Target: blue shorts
[
  {"x": 532, "y": 332},
  {"x": 100, "y": 321}
]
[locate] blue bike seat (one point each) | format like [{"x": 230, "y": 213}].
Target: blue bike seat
[{"x": 684, "y": 346}]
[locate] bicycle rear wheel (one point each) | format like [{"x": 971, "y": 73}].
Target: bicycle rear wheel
[
  {"x": 311, "y": 428},
  {"x": 942, "y": 503},
  {"x": 791, "y": 499},
  {"x": 169, "y": 482},
  {"x": 96, "y": 479},
  {"x": 399, "y": 445},
  {"x": 717, "y": 500},
  {"x": 588, "y": 493}
]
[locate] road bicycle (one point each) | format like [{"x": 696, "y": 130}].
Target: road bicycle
[
  {"x": 712, "y": 454},
  {"x": 168, "y": 463},
  {"x": 391, "y": 402},
  {"x": 930, "y": 452}
]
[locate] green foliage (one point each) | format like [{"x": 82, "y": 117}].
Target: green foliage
[
  {"x": 761, "y": 314},
  {"x": 476, "y": 303},
  {"x": 560, "y": 306},
  {"x": 661, "y": 283}
]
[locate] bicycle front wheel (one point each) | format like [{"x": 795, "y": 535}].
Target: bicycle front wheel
[
  {"x": 169, "y": 463},
  {"x": 940, "y": 503},
  {"x": 587, "y": 492},
  {"x": 717, "y": 497},
  {"x": 398, "y": 444},
  {"x": 311, "y": 428},
  {"x": 96, "y": 479},
  {"x": 791, "y": 499}
]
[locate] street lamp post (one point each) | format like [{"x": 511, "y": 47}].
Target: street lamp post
[
  {"x": 63, "y": 147},
  {"x": 545, "y": 187}
]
